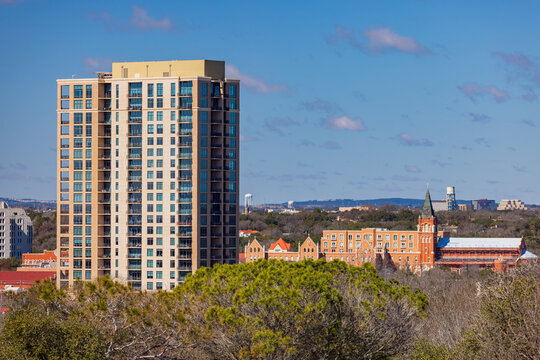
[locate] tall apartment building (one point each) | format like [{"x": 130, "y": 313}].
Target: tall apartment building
[
  {"x": 15, "y": 232},
  {"x": 147, "y": 172}
]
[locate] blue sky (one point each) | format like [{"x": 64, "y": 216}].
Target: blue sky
[{"x": 359, "y": 99}]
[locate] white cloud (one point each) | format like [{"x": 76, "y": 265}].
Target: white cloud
[
  {"x": 383, "y": 38},
  {"x": 255, "y": 84},
  {"x": 141, "y": 20},
  {"x": 379, "y": 40},
  {"x": 345, "y": 123},
  {"x": 409, "y": 140},
  {"x": 473, "y": 91}
]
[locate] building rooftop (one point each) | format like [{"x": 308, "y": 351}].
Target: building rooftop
[
  {"x": 485, "y": 243},
  {"x": 527, "y": 255},
  {"x": 24, "y": 277},
  {"x": 145, "y": 69},
  {"x": 282, "y": 245}
]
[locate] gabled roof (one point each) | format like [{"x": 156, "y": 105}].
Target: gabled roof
[
  {"x": 308, "y": 239},
  {"x": 282, "y": 245},
  {"x": 480, "y": 243},
  {"x": 254, "y": 241}
]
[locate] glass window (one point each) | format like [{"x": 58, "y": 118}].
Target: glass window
[
  {"x": 77, "y": 91},
  {"x": 204, "y": 89},
  {"x": 88, "y": 91},
  {"x": 88, "y": 104},
  {"x": 77, "y": 104},
  {"x": 64, "y": 118},
  {"x": 150, "y": 90},
  {"x": 232, "y": 90},
  {"x": 64, "y": 104},
  {"x": 159, "y": 89},
  {"x": 77, "y": 118},
  {"x": 173, "y": 89},
  {"x": 64, "y": 91}
]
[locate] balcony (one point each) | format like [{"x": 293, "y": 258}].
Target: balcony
[
  {"x": 135, "y": 107},
  {"x": 134, "y": 94}
]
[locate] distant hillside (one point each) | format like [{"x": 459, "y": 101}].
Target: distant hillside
[
  {"x": 29, "y": 203},
  {"x": 335, "y": 203}
]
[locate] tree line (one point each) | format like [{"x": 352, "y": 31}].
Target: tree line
[{"x": 280, "y": 310}]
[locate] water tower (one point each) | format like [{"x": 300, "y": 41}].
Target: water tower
[
  {"x": 451, "y": 203},
  {"x": 248, "y": 202}
]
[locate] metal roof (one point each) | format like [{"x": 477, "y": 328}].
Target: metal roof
[
  {"x": 484, "y": 243},
  {"x": 527, "y": 255}
]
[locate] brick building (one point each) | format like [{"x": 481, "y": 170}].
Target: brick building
[
  {"x": 423, "y": 248},
  {"x": 282, "y": 250},
  {"x": 45, "y": 260},
  {"x": 417, "y": 250}
]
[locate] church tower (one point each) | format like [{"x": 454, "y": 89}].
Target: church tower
[{"x": 427, "y": 234}]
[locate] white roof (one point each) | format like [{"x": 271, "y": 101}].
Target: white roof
[
  {"x": 486, "y": 243},
  {"x": 527, "y": 255}
]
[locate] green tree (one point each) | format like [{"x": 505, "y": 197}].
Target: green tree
[{"x": 306, "y": 310}]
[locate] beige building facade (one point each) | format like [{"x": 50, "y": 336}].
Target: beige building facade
[
  {"x": 511, "y": 205},
  {"x": 147, "y": 172},
  {"x": 15, "y": 232}
]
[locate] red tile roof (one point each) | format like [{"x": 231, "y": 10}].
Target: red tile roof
[
  {"x": 282, "y": 244},
  {"x": 24, "y": 277}
]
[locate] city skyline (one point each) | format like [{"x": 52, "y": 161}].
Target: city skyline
[{"x": 354, "y": 101}]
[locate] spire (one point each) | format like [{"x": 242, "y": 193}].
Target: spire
[{"x": 427, "y": 211}]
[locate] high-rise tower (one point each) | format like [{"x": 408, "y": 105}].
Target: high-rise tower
[
  {"x": 451, "y": 203},
  {"x": 147, "y": 172},
  {"x": 427, "y": 233}
]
